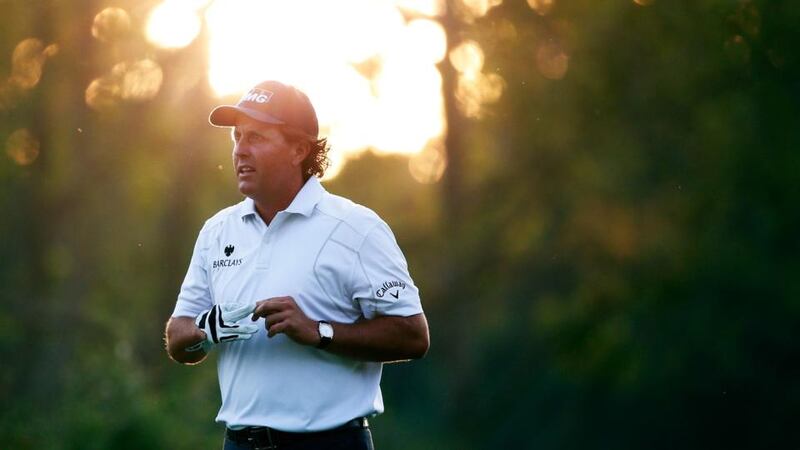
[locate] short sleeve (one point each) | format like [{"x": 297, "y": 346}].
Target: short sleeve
[
  {"x": 195, "y": 293},
  {"x": 382, "y": 283}
]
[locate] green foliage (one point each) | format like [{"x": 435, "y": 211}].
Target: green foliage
[{"x": 623, "y": 272}]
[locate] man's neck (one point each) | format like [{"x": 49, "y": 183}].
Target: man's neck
[{"x": 268, "y": 208}]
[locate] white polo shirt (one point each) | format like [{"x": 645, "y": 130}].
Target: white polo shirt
[{"x": 339, "y": 261}]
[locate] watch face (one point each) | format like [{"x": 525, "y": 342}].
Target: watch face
[{"x": 325, "y": 330}]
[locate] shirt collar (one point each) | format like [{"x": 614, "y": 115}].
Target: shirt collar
[
  {"x": 247, "y": 208},
  {"x": 304, "y": 202},
  {"x": 308, "y": 197}
]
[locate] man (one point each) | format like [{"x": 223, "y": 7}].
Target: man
[{"x": 322, "y": 276}]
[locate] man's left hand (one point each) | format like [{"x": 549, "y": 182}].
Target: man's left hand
[{"x": 282, "y": 315}]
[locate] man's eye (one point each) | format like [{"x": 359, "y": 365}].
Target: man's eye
[{"x": 253, "y": 138}]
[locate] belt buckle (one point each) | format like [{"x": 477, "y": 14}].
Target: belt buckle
[{"x": 259, "y": 444}]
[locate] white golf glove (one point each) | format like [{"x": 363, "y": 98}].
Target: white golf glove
[{"x": 219, "y": 324}]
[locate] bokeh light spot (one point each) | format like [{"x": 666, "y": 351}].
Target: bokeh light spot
[
  {"x": 102, "y": 94},
  {"x": 474, "y": 88},
  {"x": 542, "y": 7},
  {"x": 474, "y": 92},
  {"x": 428, "y": 166},
  {"x": 429, "y": 8},
  {"x": 505, "y": 30},
  {"x": 478, "y": 8},
  {"x": 552, "y": 61},
  {"x": 22, "y": 147},
  {"x": 492, "y": 86},
  {"x": 643, "y": 2},
  {"x": 140, "y": 80},
  {"x": 467, "y": 58},
  {"x": 173, "y": 24},
  {"x": 28, "y": 61},
  {"x": 111, "y": 24},
  {"x": 27, "y": 64}
]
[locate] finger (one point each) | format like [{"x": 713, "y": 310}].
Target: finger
[
  {"x": 240, "y": 312},
  {"x": 247, "y": 329},
  {"x": 236, "y": 329},
  {"x": 278, "y": 328},
  {"x": 255, "y": 309},
  {"x": 284, "y": 302},
  {"x": 274, "y": 318},
  {"x": 261, "y": 310},
  {"x": 226, "y": 327},
  {"x": 236, "y": 337},
  {"x": 268, "y": 307}
]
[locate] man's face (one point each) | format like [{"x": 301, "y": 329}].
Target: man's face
[{"x": 265, "y": 162}]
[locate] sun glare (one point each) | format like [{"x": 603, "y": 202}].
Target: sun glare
[
  {"x": 369, "y": 66},
  {"x": 173, "y": 24}
]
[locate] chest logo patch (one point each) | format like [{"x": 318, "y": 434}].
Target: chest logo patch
[
  {"x": 219, "y": 263},
  {"x": 392, "y": 287}
]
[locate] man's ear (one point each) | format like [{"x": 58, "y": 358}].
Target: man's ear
[{"x": 301, "y": 150}]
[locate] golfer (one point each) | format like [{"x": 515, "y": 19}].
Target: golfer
[{"x": 303, "y": 294}]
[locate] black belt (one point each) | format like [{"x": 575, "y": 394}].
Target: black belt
[{"x": 268, "y": 438}]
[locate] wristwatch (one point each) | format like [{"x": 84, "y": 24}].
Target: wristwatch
[{"x": 325, "y": 333}]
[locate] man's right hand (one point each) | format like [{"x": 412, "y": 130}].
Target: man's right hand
[{"x": 219, "y": 325}]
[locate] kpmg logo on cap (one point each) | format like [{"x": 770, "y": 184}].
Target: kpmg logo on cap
[{"x": 257, "y": 95}]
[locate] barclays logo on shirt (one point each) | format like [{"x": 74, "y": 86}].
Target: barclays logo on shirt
[{"x": 219, "y": 263}]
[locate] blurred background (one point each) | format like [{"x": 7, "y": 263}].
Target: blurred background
[{"x": 595, "y": 198}]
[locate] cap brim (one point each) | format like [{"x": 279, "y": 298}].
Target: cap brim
[{"x": 226, "y": 115}]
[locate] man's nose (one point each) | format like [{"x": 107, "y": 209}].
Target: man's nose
[{"x": 240, "y": 149}]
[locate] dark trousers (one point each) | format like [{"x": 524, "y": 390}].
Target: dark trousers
[{"x": 341, "y": 439}]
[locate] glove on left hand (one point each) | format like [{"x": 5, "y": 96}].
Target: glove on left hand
[{"x": 219, "y": 325}]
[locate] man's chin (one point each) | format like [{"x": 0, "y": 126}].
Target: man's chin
[{"x": 246, "y": 189}]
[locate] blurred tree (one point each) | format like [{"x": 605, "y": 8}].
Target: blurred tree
[
  {"x": 630, "y": 270},
  {"x": 609, "y": 262}
]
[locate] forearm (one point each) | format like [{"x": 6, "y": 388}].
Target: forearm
[
  {"x": 383, "y": 339},
  {"x": 182, "y": 332}
]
